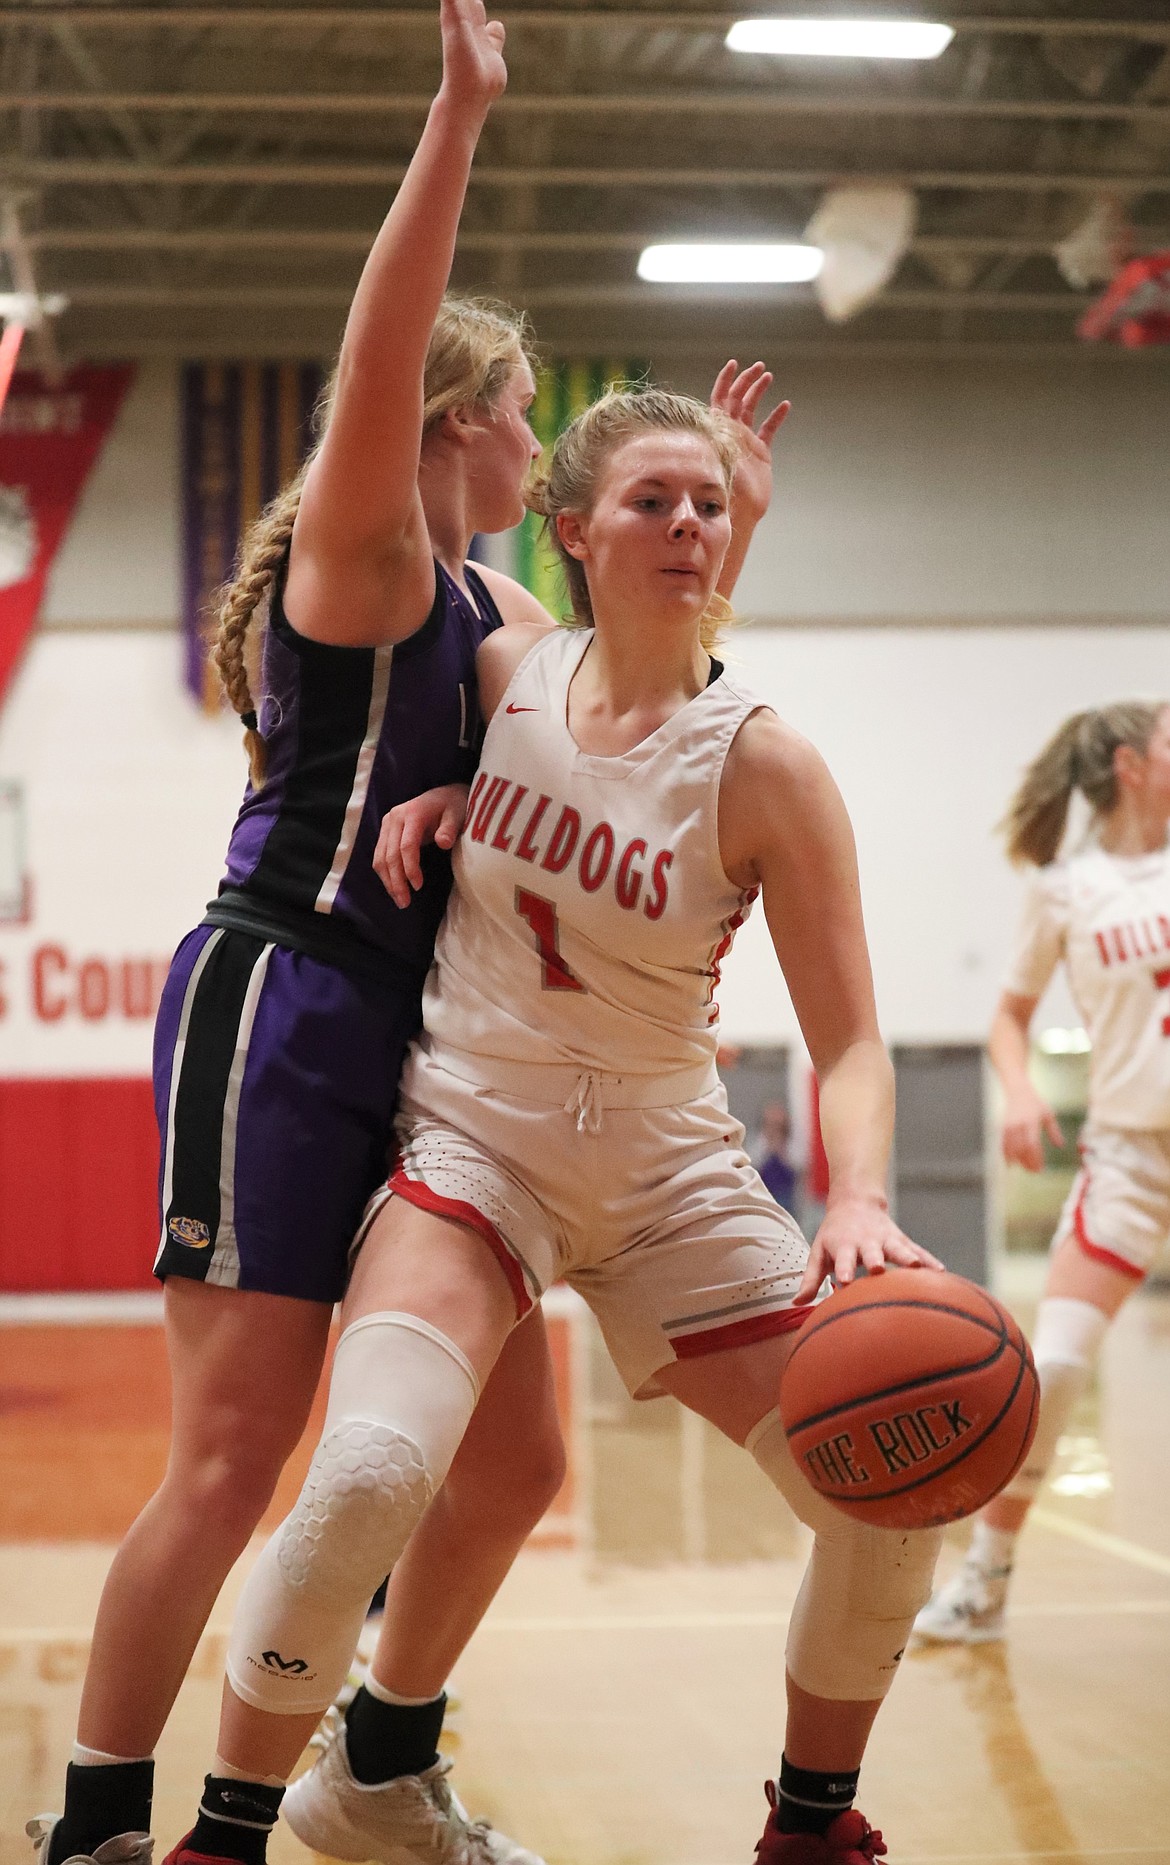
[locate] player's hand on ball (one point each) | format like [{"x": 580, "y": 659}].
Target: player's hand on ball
[
  {"x": 737, "y": 394},
  {"x": 858, "y": 1231},
  {"x": 435, "y": 816},
  {"x": 1024, "y": 1123},
  {"x": 474, "y": 72}
]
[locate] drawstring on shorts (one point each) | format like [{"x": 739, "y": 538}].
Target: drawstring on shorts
[{"x": 587, "y": 1102}]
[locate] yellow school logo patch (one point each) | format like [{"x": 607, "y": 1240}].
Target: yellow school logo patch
[{"x": 190, "y": 1231}]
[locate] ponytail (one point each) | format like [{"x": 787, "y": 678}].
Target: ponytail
[{"x": 1079, "y": 756}]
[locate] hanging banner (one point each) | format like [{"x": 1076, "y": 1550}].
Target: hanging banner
[
  {"x": 246, "y": 429},
  {"x": 50, "y": 437},
  {"x": 563, "y": 391}
]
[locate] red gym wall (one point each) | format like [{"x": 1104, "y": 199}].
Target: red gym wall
[{"x": 78, "y": 1168}]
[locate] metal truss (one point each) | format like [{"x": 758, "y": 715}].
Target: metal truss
[{"x": 200, "y": 179}]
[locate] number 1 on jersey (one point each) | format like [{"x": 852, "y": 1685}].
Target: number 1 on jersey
[{"x": 541, "y": 915}]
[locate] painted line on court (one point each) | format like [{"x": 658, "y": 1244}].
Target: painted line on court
[
  {"x": 124, "y": 1308},
  {"x": 1077, "y": 1856},
  {"x": 765, "y": 1621},
  {"x": 1104, "y": 1544},
  {"x": 1062, "y": 1856},
  {"x": 1081, "y": 1851},
  {"x": 645, "y": 1622}
]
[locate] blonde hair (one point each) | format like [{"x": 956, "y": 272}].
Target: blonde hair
[
  {"x": 1080, "y": 756},
  {"x": 475, "y": 345},
  {"x": 573, "y": 475}
]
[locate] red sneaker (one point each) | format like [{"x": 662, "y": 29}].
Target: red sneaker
[
  {"x": 182, "y": 1855},
  {"x": 850, "y": 1840}
]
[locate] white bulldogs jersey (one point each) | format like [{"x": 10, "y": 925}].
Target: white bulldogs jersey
[
  {"x": 590, "y": 912},
  {"x": 1108, "y": 917}
]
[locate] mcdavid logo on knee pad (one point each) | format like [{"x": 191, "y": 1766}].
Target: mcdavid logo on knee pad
[{"x": 286, "y": 1667}]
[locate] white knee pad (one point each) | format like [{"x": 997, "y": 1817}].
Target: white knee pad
[
  {"x": 400, "y": 1399},
  {"x": 861, "y": 1590},
  {"x": 1065, "y": 1346}
]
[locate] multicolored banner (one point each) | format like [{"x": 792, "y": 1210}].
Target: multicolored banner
[
  {"x": 50, "y": 436},
  {"x": 246, "y": 429},
  {"x": 562, "y": 392}
]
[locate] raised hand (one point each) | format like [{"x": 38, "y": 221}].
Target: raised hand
[
  {"x": 474, "y": 72},
  {"x": 737, "y": 394}
]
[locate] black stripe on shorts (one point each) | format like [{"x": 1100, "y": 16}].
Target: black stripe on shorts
[{"x": 195, "y": 1144}]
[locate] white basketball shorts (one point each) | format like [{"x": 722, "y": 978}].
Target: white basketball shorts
[
  {"x": 654, "y": 1214},
  {"x": 1119, "y": 1206}
]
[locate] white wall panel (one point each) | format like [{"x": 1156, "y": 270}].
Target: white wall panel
[
  {"x": 926, "y": 731},
  {"x": 120, "y": 558},
  {"x": 130, "y": 793}
]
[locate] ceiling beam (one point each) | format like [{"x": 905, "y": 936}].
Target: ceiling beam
[
  {"x": 557, "y": 103},
  {"x": 93, "y": 342},
  {"x": 250, "y": 18},
  {"x": 67, "y": 171},
  {"x": 161, "y": 297},
  {"x": 358, "y": 240}
]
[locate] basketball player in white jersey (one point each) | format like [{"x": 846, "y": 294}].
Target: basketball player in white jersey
[
  {"x": 562, "y": 1117},
  {"x": 1106, "y": 912}
]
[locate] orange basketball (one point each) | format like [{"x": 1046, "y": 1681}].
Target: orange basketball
[{"x": 910, "y": 1398}]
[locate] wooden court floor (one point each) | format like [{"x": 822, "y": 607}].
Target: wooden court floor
[{"x": 621, "y": 1705}]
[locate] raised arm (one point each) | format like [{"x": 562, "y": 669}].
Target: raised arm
[
  {"x": 360, "y": 528},
  {"x": 783, "y": 827}
]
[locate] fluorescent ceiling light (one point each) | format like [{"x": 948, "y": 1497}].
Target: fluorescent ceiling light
[
  {"x": 24, "y": 307},
  {"x": 841, "y": 38},
  {"x": 727, "y": 263}
]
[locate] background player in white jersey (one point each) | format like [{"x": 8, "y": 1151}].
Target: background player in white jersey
[
  {"x": 563, "y": 1109},
  {"x": 1105, "y": 912},
  {"x": 351, "y": 629}
]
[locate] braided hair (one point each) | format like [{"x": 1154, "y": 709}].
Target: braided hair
[{"x": 264, "y": 548}]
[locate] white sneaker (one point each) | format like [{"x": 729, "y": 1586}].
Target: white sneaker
[
  {"x": 413, "y": 1820},
  {"x": 126, "y": 1849},
  {"x": 969, "y": 1610}
]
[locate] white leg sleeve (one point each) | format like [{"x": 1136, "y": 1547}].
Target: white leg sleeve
[
  {"x": 400, "y": 1399},
  {"x": 861, "y": 1589},
  {"x": 1065, "y": 1347}
]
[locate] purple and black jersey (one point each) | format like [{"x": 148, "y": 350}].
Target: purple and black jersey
[{"x": 350, "y": 732}]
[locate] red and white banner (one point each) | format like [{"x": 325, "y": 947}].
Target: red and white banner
[{"x": 49, "y": 440}]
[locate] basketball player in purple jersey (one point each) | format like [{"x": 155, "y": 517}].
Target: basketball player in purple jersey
[{"x": 287, "y": 1012}]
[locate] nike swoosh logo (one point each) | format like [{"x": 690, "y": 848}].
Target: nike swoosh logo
[{"x": 521, "y": 708}]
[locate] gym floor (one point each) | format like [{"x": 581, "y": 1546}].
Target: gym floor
[{"x": 622, "y": 1703}]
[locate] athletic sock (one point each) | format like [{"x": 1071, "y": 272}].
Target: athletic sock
[
  {"x": 992, "y": 1550},
  {"x": 102, "y": 1802},
  {"x": 809, "y": 1802},
  {"x": 385, "y": 1738},
  {"x": 235, "y": 1819}
]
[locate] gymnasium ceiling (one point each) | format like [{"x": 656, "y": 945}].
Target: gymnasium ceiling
[{"x": 204, "y": 180}]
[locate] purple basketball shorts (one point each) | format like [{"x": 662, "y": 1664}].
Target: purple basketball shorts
[{"x": 275, "y": 1080}]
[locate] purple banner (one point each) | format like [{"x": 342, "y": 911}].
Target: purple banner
[{"x": 245, "y": 431}]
